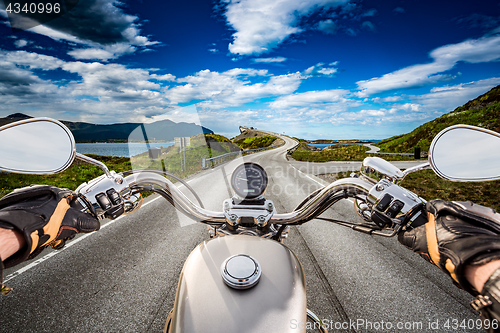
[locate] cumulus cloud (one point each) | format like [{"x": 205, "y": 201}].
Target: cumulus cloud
[
  {"x": 20, "y": 43},
  {"x": 310, "y": 99},
  {"x": 399, "y": 10},
  {"x": 417, "y": 109},
  {"x": 320, "y": 69},
  {"x": 485, "y": 49},
  {"x": 164, "y": 77},
  {"x": 369, "y": 12},
  {"x": 447, "y": 98},
  {"x": 100, "y": 28},
  {"x": 269, "y": 60},
  {"x": 328, "y": 26},
  {"x": 103, "y": 52},
  {"x": 476, "y": 20},
  {"x": 368, "y": 26},
  {"x": 262, "y": 25},
  {"x": 133, "y": 94},
  {"x": 30, "y": 60},
  {"x": 128, "y": 92},
  {"x": 231, "y": 88}
]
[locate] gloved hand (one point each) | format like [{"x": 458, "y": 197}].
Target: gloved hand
[
  {"x": 43, "y": 215},
  {"x": 456, "y": 234}
]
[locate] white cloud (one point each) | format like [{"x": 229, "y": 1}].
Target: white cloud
[
  {"x": 327, "y": 71},
  {"x": 392, "y": 99},
  {"x": 310, "y": 99},
  {"x": 484, "y": 49},
  {"x": 369, "y": 12},
  {"x": 165, "y": 77},
  {"x": 269, "y": 60},
  {"x": 31, "y": 60},
  {"x": 320, "y": 69},
  {"x": 417, "y": 109},
  {"x": 103, "y": 52},
  {"x": 369, "y": 26},
  {"x": 100, "y": 30},
  {"x": 20, "y": 43},
  {"x": 328, "y": 26},
  {"x": 231, "y": 88},
  {"x": 133, "y": 94},
  {"x": 447, "y": 98},
  {"x": 262, "y": 25}
]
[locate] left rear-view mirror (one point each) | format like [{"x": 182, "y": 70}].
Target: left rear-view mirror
[{"x": 36, "y": 146}]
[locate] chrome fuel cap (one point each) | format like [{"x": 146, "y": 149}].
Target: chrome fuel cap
[{"x": 241, "y": 271}]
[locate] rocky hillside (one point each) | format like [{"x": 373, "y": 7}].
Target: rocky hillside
[{"x": 483, "y": 111}]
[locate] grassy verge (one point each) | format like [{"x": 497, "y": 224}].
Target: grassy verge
[
  {"x": 78, "y": 173},
  {"x": 341, "y": 153},
  {"x": 429, "y": 186},
  {"x": 255, "y": 142}
]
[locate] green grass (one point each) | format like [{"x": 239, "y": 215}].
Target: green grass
[
  {"x": 255, "y": 142},
  {"x": 341, "y": 153},
  {"x": 78, "y": 173}
]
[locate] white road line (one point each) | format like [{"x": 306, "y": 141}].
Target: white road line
[
  {"x": 68, "y": 245},
  {"x": 314, "y": 180}
]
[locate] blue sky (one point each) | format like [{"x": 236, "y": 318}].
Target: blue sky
[{"x": 334, "y": 69}]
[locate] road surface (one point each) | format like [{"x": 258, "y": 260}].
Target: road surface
[{"x": 124, "y": 277}]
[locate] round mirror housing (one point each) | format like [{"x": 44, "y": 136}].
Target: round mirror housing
[
  {"x": 36, "y": 146},
  {"x": 466, "y": 153},
  {"x": 377, "y": 168}
]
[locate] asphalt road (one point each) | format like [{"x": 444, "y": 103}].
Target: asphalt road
[{"x": 124, "y": 277}]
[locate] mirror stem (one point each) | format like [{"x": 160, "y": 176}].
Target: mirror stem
[
  {"x": 419, "y": 167},
  {"x": 95, "y": 162}
]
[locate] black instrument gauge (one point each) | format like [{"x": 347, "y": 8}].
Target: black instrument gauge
[{"x": 249, "y": 181}]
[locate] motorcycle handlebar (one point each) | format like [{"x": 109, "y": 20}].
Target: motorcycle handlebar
[{"x": 340, "y": 189}]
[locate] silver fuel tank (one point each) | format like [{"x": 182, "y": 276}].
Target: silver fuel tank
[{"x": 204, "y": 303}]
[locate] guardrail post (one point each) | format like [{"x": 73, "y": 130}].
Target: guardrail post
[{"x": 417, "y": 153}]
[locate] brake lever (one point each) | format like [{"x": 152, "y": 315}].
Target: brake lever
[{"x": 363, "y": 227}]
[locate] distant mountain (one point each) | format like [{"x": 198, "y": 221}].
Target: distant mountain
[
  {"x": 483, "y": 111},
  {"x": 163, "y": 130}
]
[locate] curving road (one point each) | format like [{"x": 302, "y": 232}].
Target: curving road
[{"x": 123, "y": 278}]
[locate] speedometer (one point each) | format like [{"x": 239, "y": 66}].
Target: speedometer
[{"x": 249, "y": 181}]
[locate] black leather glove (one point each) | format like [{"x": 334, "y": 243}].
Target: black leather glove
[
  {"x": 43, "y": 215},
  {"x": 456, "y": 234}
]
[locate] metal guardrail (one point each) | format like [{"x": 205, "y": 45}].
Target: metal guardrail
[
  {"x": 401, "y": 154},
  {"x": 211, "y": 162}
]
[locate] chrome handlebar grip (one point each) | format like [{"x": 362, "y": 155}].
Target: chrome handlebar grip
[
  {"x": 314, "y": 206},
  {"x": 180, "y": 200}
]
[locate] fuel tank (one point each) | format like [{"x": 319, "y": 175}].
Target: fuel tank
[{"x": 205, "y": 303}]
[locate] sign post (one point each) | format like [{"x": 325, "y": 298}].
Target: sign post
[{"x": 182, "y": 142}]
